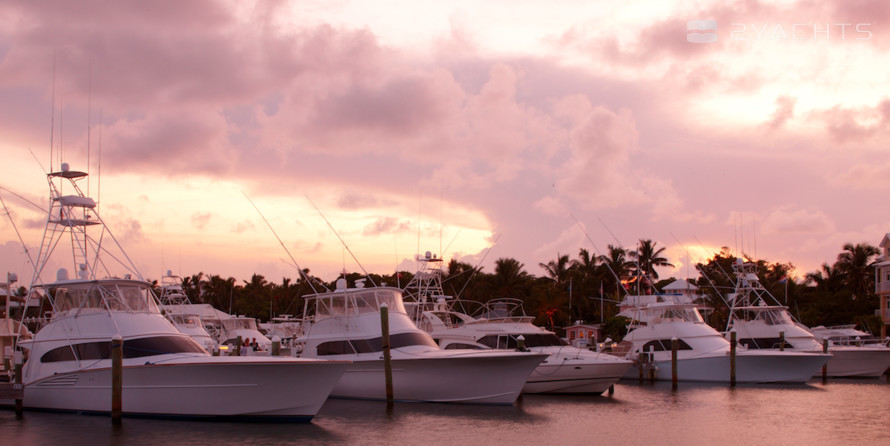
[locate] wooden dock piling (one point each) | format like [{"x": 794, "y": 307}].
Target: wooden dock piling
[
  {"x": 117, "y": 344},
  {"x": 387, "y": 356},
  {"x": 675, "y": 345},
  {"x": 732, "y": 349}
]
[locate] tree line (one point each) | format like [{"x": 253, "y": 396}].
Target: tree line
[{"x": 587, "y": 287}]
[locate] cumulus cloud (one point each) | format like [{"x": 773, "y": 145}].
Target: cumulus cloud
[
  {"x": 791, "y": 220},
  {"x": 386, "y": 225},
  {"x": 243, "y": 226},
  {"x": 854, "y": 125},
  {"x": 867, "y": 176},
  {"x": 784, "y": 111},
  {"x": 200, "y": 219}
]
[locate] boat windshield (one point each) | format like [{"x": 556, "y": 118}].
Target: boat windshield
[
  {"x": 241, "y": 323},
  {"x": 354, "y": 303},
  {"x": 131, "y": 296},
  {"x": 186, "y": 320},
  {"x": 655, "y": 315},
  {"x": 774, "y": 316},
  {"x": 531, "y": 340}
]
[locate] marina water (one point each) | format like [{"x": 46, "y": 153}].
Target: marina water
[{"x": 837, "y": 412}]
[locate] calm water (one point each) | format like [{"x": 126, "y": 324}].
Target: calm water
[{"x": 839, "y": 412}]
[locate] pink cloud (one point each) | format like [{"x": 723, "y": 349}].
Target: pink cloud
[
  {"x": 790, "y": 220},
  {"x": 784, "y": 111},
  {"x": 200, "y": 219},
  {"x": 855, "y": 125}
]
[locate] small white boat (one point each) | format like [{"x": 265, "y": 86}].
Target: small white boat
[
  {"x": 165, "y": 373},
  {"x": 346, "y": 324},
  {"x": 703, "y": 353},
  {"x": 762, "y": 324}
]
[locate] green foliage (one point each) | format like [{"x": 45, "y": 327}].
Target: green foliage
[{"x": 585, "y": 288}]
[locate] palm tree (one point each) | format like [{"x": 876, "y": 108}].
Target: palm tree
[
  {"x": 219, "y": 292},
  {"x": 587, "y": 282},
  {"x": 854, "y": 264},
  {"x": 558, "y": 269},
  {"x": 616, "y": 266},
  {"x": 647, "y": 258},
  {"x": 828, "y": 279},
  {"x": 509, "y": 279}
]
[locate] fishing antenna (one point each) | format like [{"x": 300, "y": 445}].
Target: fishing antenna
[
  {"x": 341, "y": 241},
  {"x": 302, "y": 273},
  {"x": 17, "y": 233}
]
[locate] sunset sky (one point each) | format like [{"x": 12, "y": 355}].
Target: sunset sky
[{"x": 475, "y": 130}]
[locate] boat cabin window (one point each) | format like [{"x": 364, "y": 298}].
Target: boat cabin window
[
  {"x": 460, "y": 346},
  {"x": 133, "y": 348},
  {"x": 661, "y": 345},
  {"x": 765, "y": 343},
  {"x": 531, "y": 340},
  {"x": 371, "y": 345}
]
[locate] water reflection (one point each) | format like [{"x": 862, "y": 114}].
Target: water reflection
[{"x": 840, "y": 411}]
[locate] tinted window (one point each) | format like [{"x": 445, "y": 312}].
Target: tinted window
[
  {"x": 372, "y": 345},
  {"x": 531, "y": 340},
  {"x": 133, "y": 348},
  {"x": 661, "y": 345},
  {"x": 764, "y": 343}
]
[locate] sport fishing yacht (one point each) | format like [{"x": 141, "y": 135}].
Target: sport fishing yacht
[
  {"x": 165, "y": 372},
  {"x": 346, "y": 324},
  {"x": 760, "y": 323},
  {"x": 703, "y": 354}
]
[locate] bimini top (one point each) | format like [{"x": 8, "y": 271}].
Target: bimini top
[
  {"x": 353, "y": 302},
  {"x": 71, "y": 297}
]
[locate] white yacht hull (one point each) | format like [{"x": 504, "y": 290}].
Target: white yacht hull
[
  {"x": 751, "y": 367},
  {"x": 198, "y": 387},
  {"x": 471, "y": 378},
  {"x": 858, "y": 362},
  {"x": 587, "y": 372}
]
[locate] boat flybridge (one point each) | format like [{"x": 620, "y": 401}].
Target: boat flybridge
[
  {"x": 346, "y": 324},
  {"x": 502, "y": 324},
  {"x": 761, "y": 323},
  {"x": 165, "y": 372},
  {"x": 703, "y": 354}
]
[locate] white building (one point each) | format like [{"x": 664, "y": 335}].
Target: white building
[{"x": 882, "y": 283}]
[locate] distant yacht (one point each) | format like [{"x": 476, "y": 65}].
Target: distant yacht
[
  {"x": 172, "y": 297},
  {"x": 703, "y": 354},
  {"x": 212, "y": 328},
  {"x": 165, "y": 372},
  {"x": 760, "y": 323},
  {"x": 346, "y": 324}
]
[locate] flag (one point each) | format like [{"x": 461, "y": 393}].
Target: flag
[{"x": 784, "y": 279}]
